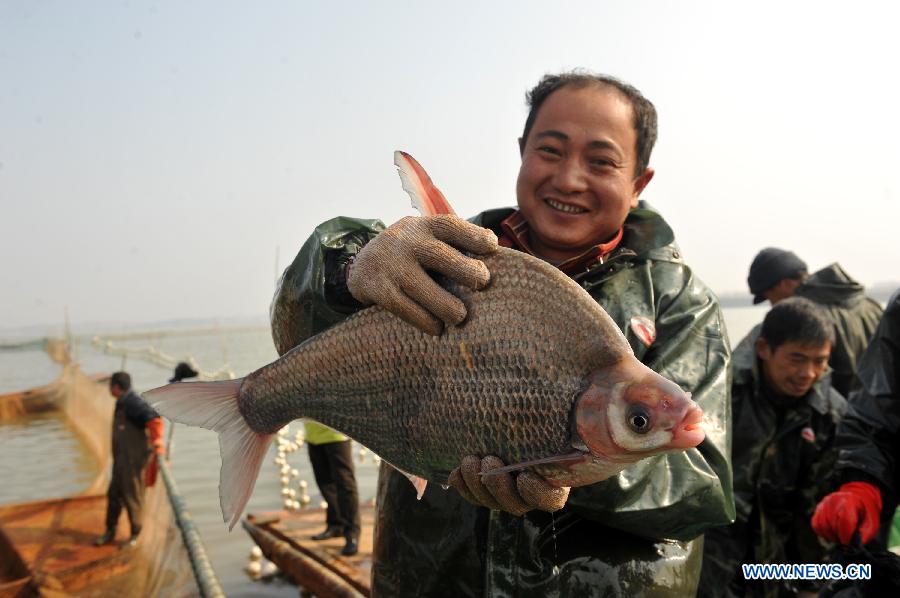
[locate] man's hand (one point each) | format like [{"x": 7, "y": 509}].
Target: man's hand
[
  {"x": 503, "y": 492},
  {"x": 390, "y": 270},
  {"x": 855, "y": 505}
]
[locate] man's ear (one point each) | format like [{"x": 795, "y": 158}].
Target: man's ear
[
  {"x": 640, "y": 183},
  {"x": 763, "y": 350}
]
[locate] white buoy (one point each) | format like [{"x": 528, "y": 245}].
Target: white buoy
[
  {"x": 296, "y": 505},
  {"x": 291, "y": 492},
  {"x": 255, "y": 553},
  {"x": 285, "y": 491},
  {"x": 302, "y": 484},
  {"x": 269, "y": 568},
  {"x": 304, "y": 499},
  {"x": 295, "y": 473},
  {"x": 285, "y": 480},
  {"x": 254, "y": 568},
  {"x": 323, "y": 505}
]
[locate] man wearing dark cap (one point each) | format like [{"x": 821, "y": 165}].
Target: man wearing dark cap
[
  {"x": 183, "y": 371},
  {"x": 777, "y": 274}
]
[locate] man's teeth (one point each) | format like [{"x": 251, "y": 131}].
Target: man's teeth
[{"x": 562, "y": 207}]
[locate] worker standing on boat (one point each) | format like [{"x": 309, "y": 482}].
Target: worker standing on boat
[
  {"x": 136, "y": 435},
  {"x": 584, "y": 163},
  {"x": 331, "y": 457}
]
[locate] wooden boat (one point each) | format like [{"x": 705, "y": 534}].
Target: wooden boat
[
  {"x": 46, "y": 546},
  {"x": 285, "y": 539}
]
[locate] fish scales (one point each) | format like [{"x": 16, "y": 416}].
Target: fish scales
[
  {"x": 538, "y": 375},
  {"x": 502, "y": 383}
]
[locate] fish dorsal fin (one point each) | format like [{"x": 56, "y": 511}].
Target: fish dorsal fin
[
  {"x": 426, "y": 198},
  {"x": 565, "y": 459}
]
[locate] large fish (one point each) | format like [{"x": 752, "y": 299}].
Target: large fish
[{"x": 538, "y": 375}]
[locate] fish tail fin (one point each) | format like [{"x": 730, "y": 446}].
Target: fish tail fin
[
  {"x": 214, "y": 406},
  {"x": 426, "y": 198}
]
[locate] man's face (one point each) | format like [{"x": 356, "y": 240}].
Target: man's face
[
  {"x": 793, "y": 367},
  {"x": 577, "y": 182},
  {"x": 116, "y": 391}
]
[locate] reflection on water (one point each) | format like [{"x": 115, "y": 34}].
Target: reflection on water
[
  {"x": 25, "y": 369},
  {"x": 42, "y": 457}
]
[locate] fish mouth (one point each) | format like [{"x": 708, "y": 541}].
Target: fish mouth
[
  {"x": 689, "y": 432},
  {"x": 563, "y": 207}
]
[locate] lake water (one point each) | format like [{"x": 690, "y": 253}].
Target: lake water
[{"x": 44, "y": 460}]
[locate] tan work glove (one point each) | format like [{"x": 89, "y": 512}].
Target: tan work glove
[
  {"x": 503, "y": 492},
  {"x": 390, "y": 270}
]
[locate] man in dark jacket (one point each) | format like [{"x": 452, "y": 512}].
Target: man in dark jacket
[
  {"x": 785, "y": 416},
  {"x": 868, "y": 440},
  {"x": 776, "y": 274},
  {"x": 136, "y": 434},
  {"x": 585, "y": 153}
]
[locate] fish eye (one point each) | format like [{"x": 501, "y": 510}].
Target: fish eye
[{"x": 639, "y": 419}]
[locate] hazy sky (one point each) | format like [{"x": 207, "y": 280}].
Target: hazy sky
[{"x": 154, "y": 157}]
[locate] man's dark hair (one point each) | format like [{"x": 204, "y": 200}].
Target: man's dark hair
[
  {"x": 644, "y": 111},
  {"x": 122, "y": 380},
  {"x": 799, "y": 320}
]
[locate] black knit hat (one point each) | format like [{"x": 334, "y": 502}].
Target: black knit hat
[
  {"x": 182, "y": 371},
  {"x": 771, "y": 266}
]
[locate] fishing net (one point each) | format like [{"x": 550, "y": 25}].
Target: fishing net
[{"x": 54, "y": 539}]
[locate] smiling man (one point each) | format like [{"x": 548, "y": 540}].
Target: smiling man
[
  {"x": 585, "y": 153},
  {"x": 580, "y": 172},
  {"x": 785, "y": 416}
]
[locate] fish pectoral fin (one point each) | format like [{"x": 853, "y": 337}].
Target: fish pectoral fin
[
  {"x": 564, "y": 459},
  {"x": 418, "y": 483}
]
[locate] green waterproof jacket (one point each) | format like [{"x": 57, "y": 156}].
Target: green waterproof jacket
[
  {"x": 633, "y": 534},
  {"x": 782, "y": 458},
  {"x": 855, "y": 318},
  {"x": 869, "y": 436}
]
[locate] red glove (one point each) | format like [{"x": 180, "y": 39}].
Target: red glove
[
  {"x": 150, "y": 472},
  {"x": 155, "y": 432},
  {"x": 855, "y": 505}
]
